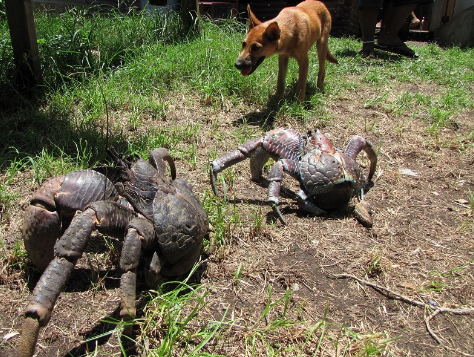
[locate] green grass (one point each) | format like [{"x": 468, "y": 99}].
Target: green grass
[{"x": 96, "y": 65}]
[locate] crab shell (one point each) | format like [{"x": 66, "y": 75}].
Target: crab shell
[{"x": 330, "y": 179}]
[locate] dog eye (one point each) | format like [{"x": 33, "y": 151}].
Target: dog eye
[
  {"x": 256, "y": 47},
  {"x": 244, "y": 44}
]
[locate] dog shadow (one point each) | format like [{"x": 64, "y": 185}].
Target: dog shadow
[{"x": 263, "y": 118}]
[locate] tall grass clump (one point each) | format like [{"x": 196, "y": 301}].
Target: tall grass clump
[
  {"x": 80, "y": 42},
  {"x": 83, "y": 53}
]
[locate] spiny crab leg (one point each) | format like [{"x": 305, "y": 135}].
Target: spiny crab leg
[{"x": 69, "y": 248}]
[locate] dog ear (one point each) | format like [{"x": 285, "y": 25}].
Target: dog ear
[
  {"x": 272, "y": 32},
  {"x": 253, "y": 21}
]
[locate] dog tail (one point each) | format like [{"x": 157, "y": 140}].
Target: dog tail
[{"x": 331, "y": 58}]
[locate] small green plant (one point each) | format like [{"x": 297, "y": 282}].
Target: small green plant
[
  {"x": 17, "y": 256},
  {"x": 258, "y": 218},
  {"x": 7, "y": 196},
  {"x": 435, "y": 282},
  {"x": 272, "y": 322},
  {"x": 470, "y": 198},
  {"x": 7, "y": 200},
  {"x": 238, "y": 274},
  {"x": 49, "y": 163},
  {"x": 223, "y": 218},
  {"x": 374, "y": 266},
  {"x": 366, "y": 344}
]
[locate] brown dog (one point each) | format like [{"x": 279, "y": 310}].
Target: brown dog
[{"x": 291, "y": 34}]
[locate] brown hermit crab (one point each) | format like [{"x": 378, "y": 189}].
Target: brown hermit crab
[
  {"x": 329, "y": 178},
  {"x": 160, "y": 220}
]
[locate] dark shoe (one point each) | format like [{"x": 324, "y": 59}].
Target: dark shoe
[
  {"x": 367, "y": 54},
  {"x": 367, "y": 50},
  {"x": 399, "y": 48}
]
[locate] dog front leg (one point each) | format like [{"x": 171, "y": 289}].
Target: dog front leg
[
  {"x": 282, "y": 69},
  {"x": 303, "y": 64}
]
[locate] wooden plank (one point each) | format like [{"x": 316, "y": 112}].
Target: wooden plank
[{"x": 24, "y": 43}]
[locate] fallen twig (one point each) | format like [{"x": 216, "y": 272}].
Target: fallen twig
[
  {"x": 401, "y": 297},
  {"x": 394, "y": 295}
]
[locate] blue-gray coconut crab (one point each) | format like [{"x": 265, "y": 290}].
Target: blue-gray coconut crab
[
  {"x": 328, "y": 178},
  {"x": 160, "y": 220}
]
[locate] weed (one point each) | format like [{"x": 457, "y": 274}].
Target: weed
[
  {"x": 17, "y": 257},
  {"x": 258, "y": 218},
  {"x": 238, "y": 274},
  {"x": 470, "y": 198},
  {"x": 374, "y": 265},
  {"x": 435, "y": 283},
  {"x": 223, "y": 218},
  {"x": 169, "y": 316}
]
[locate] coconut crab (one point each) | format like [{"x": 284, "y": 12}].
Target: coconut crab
[
  {"x": 329, "y": 178},
  {"x": 160, "y": 220}
]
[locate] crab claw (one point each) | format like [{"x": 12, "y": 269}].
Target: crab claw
[{"x": 363, "y": 213}]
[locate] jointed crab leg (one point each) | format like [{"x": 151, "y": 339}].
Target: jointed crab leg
[
  {"x": 249, "y": 149},
  {"x": 276, "y": 177},
  {"x": 358, "y": 144},
  {"x": 140, "y": 234},
  {"x": 221, "y": 164},
  {"x": 68, "y": 250}
]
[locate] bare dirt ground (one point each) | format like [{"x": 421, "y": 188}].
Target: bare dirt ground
[{"x": 420, "y": 247}]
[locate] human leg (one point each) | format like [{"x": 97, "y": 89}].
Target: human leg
[
  {"x": 392, "y": 21},
  {"x": 368, "y": 18}
]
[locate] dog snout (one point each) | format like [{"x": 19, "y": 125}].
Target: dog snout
[{"x": 240, "y": 63}]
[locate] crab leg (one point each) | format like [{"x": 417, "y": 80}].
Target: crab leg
[
  {"x": 358, "y": 144},
  {"x": 69, "y": 249},
  {"x": 244, "y": 151},
  {"x": 157, "y": 157},
  {"x": 140, "y": 233},
  {"x": 275, "y": 177}
]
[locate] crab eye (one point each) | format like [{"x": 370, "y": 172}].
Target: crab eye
[{"x": 256, "y": 47}]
